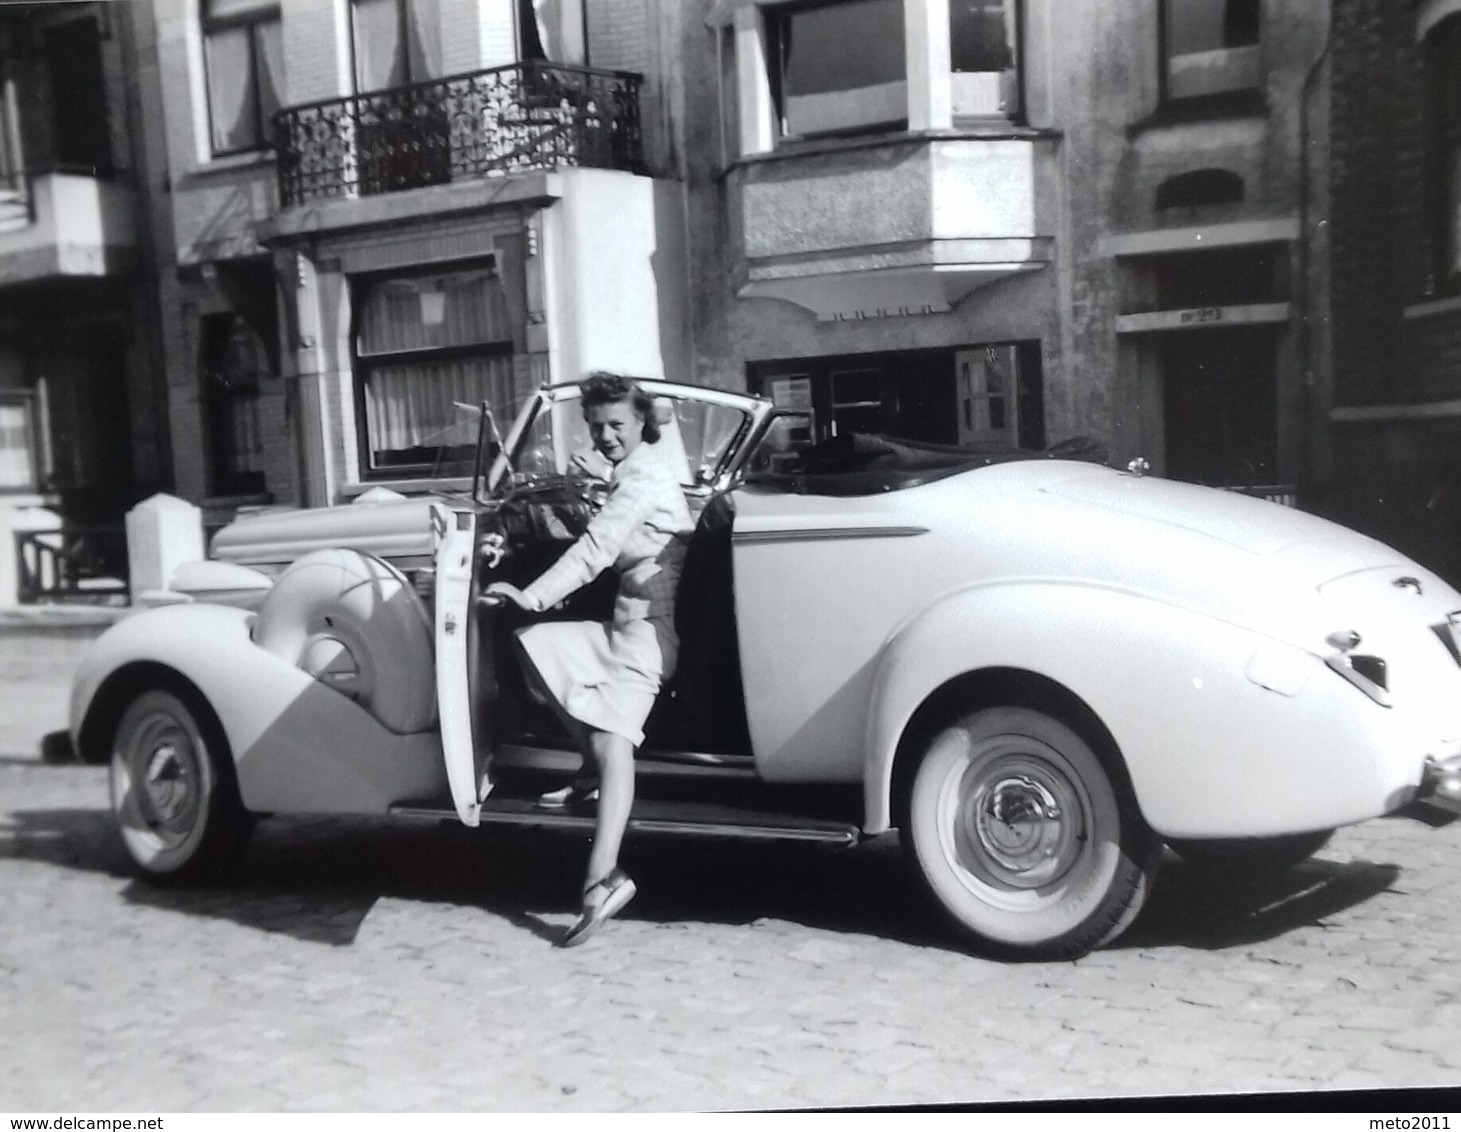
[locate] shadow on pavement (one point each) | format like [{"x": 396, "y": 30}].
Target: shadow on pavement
[
  {"x": 317, "y": 879},
  {"x": 1194, "y": 908}
]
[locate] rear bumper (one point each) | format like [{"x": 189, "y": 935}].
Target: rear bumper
[{"x": 1440, "y": 783}]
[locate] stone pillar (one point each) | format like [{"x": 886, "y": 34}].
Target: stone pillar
[
  {"x": 753, "y": 83},
  {"x": 163, "y": 532},
  {"x": 926, "y": 35}
]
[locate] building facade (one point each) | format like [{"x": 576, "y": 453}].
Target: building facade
[
  {"x": 81, "y": 410},
  {"x": 974, "y": 222}
]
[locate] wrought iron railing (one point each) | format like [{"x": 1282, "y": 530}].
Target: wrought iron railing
[
  {"x": 78, "y": 563},
  {"x": 530, "y": 115}
]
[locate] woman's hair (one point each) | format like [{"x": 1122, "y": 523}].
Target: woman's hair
[{"x": 601, "y": 388}]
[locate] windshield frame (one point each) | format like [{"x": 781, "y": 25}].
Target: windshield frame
[{"x": 488, "y": 480}]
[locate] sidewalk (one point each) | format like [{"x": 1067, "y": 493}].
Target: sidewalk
[{"x": 40, "y": 647}]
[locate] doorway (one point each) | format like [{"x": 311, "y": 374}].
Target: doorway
[{"x": 1220, "y": 406}]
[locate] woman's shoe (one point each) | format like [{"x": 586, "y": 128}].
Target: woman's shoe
[
  {"x": 618, "y": 890},
  {"x": 572, "y": 796}
]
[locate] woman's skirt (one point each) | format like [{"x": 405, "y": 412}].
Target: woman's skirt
[{"x": 607, "y": 675}]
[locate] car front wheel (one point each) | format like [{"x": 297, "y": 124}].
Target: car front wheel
[
  {"x": 174, "y": 792},
  {"x": 1017, "y": 830}
]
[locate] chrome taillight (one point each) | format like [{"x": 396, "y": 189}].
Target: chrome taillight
[{"x": 1370, "y": 674}]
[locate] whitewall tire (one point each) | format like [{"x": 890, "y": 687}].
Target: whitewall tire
[{"x": 1018, "y": 832}]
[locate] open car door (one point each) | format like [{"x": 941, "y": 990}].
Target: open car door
[{"x": 466, "y": 771}]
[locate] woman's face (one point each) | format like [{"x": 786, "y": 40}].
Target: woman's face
[{"x": 616, "y": 429}]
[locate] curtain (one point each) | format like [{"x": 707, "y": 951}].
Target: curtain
[
  {"x": 460, "y": 308},
  {"x": 269, "y": 44},
  {"x": 416, "y": 405},
  {"x": 560, "y": 28},
  {"x": 380, "y": 56},
  {"x": 424, "y": 19},
  {"x": 229, "y": 97},
  {"x": 16, "y": 456}
]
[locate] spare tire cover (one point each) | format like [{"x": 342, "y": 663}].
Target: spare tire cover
[{"x": 355, "y": 623}]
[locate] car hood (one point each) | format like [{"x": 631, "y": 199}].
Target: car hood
[
  {"x": 392, "y": 529},
  {"x": 1302, "y": 543}
]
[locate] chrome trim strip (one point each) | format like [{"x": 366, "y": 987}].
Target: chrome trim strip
[
  {"x": 846, "y": 835},
  {"x": 826, "y": 534}
]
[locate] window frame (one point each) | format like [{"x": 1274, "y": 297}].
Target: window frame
[
  {"x": 1015, "y": 113},
  {"x": 361, "y": 366},
  {"x": 1234, "y": 99},
  {"x": 251, "y": 21},
  {"x": 772, "y": 18},
  {"x": 29, "y": 402}
]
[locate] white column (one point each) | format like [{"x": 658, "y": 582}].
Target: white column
[
  {"x": 753, "y": 83},
  {"x": 926, "y": 35}
]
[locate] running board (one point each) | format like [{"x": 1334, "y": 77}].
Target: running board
[
  {"x": 523, "y": 756},
  {"x": 679, "y": 818}
]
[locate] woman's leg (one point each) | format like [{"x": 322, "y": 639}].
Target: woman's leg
[{"x": 614, "y": 756}]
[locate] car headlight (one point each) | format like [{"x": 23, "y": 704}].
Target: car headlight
[{"x": 1370, "y": 674}]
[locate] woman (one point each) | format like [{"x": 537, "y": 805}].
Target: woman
[{"x": 604, "y": 678}]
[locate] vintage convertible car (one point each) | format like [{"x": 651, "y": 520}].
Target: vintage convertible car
[{"x": 1038, "y": 670}]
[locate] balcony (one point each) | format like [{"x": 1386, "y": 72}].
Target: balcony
[
  {"x": 65, "y": 225},
  {"x": 907, "y": 224},
  {"x": 525, "y": 117}
]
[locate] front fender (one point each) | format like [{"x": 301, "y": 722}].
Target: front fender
[
  {"x": 299, "y": 746},
  {"x": 1211, "y": 750}
]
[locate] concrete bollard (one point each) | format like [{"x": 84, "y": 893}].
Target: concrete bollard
[
  {"x": 17, "y": 521},
  {"x": 163, "y": 532}
]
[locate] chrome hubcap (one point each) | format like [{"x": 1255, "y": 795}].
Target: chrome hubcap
[
  {"x": 1018, "y": 821},
  {"x": 162, "y": 765}
]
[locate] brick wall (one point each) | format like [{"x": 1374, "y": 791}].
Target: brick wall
[{"x": 1378, "y": 215}]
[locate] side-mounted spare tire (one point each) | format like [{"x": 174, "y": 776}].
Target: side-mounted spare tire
[{"x": 354, "y": 622}]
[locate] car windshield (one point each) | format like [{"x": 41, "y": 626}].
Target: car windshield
[{"x": 697, "y": 435}]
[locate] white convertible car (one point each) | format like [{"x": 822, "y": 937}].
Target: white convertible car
[{"x": 1038, "y": 670}]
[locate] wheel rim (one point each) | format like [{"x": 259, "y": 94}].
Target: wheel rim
[
  {"x": 160, "y": 784},
  {"x": 1015, "y": 822}
]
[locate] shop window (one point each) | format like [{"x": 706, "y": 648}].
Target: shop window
[
  {"x": 1211, "y": 48},
  {"x": 978, "y": 397},
  {"x": 19, "y": 436},
  {"x": 984, "y": 58},
  {"x": 243, "y": 48},
  {"x": 839, "y": 67},
  {"x": 233, "y": 363},
  {"x": 429, "y": 349},
  {"x": 1443, "y": 75}
]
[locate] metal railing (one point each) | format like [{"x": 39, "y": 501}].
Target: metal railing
[
  {"x": 77, "y": 563},
  {"x": 530, "y": 115}
]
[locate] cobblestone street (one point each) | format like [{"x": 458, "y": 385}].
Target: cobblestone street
[{"x": 369, "y": 965}]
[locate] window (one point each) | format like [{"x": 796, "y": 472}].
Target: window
[
  {"x": 243, "y": 48},
  {"x": 233, "y": 361},
  {"x": 80, "y": 138},
  {"x": 19, "y": 467},
  {"x": 838, "y": 67},
  {"x": 429, "y": 350},
  {"x": 396, "y": 42},
  {"x": 1211, "y": 47},
  {"x": 1443, "y": 75},
  {"x": 978, "y": 397},
  {"x": 984, "y": 57}
]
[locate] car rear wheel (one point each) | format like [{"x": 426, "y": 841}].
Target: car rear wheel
[
  {"x": 1265, "y": 854},
  {"x": 174, "y": 792},
  {"x": 1017, "y": 830}
]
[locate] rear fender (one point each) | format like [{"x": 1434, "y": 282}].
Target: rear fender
[
  {"x": 299, "y": 746},
  {"x": 1208, "y": 750}
]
